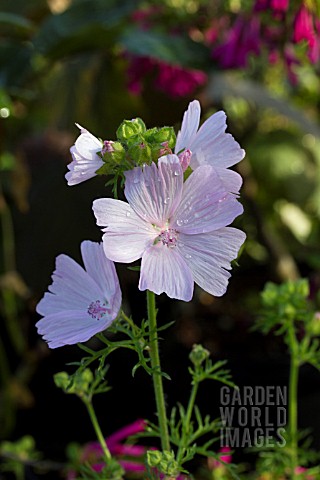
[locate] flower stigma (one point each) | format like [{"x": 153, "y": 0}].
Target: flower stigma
[{"x": 97, "y": 310}]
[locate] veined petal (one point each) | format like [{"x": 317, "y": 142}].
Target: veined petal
[
  {"x": 79, "y": 305},
  {"x": 103, "y": 271},
  {"x": 72, "y": 288},
  {"x": 189, "y": 127},
  {"x": 81, "y": 168},
  {"x": 85, "y": 161},
  {"x": 205, "y": 204},
  {"x": 87, "y": 145},
  {"x": 209, "y": 255},
  {"x": 163, "y": 270},
  {"x": 231, "y": 180},
  {"x": 154, "y": 192},
  {"x": 219, "y": 149},
  {"x": 126, "y": 234},
  {"x": 70, "y": 327}
]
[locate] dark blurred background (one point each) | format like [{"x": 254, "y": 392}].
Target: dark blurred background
[{"x": 96, "y": 62}]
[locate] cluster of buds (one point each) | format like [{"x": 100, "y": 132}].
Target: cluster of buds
[{"x": 135, "y": 146}]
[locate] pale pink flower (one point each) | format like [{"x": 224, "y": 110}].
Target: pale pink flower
[
  {"x": 85, "y": 158},
  {"x": 80, "y": 303},
  {"x": 178, "y": 229},
  {"x": 209, "y": 145}
]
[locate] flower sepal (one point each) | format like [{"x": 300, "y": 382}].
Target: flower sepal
[{"x": 129, "y": 128}]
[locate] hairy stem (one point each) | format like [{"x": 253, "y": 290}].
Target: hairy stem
[{"x": 157, "y": 378}]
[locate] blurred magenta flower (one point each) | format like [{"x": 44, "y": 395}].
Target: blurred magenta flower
[
  {"x": 92, "y": 452},
  {"x": 178, "y": 229},
  {"x": 275, "y": 5},
  {"x": 304, "y": 30},
  {"x": 85, "y": 161},
  {"x": 80, "y": 303},
  {"x": 173, "y": 80},
  {"x": 209, "y": 145},
  {"x": 243, "y": 39},
  {"x": 177, "y": 81}
]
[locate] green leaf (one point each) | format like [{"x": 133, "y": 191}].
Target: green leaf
[
  {"x": 84, "y": 26},
  {"x": 162, "y": 46},
  {"x": 15, "y": 24}
]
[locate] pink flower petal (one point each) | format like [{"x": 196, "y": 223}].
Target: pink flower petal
[
  {"x": 205, "y": 205},
  {"x": 208, "y": 256},
  {"x": 70, "y": 327},
  {"x": 126, "y": 431},
  {"x": 85, "y": 161},
  {"x": 189, "y": 126},
  {"x": 79, "y": 305},
  {"x": 72, "y": 288},
  {"x": 127, "y": 235},
  {"x": 158, "y": 189},
  {"x": 231, "y": 180},
  {"x": 219, "y": 148},
  {"x": 163, "y": 269},
  {"x": 103, "y": 271}
]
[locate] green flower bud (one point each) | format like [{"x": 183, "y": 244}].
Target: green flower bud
[
  {"x": 164, "y": 462},
  {"x": 165, "y": 135},
  {"x": 314, "y": 325},
  {"x": 113, "y": 155},
  {"x": 198, "y": 355},
  {"x": 78, "y": 384},
  {"x": 140, "y": 153},
  {"x": 128, "y": 128},
  {"x": 154, "y": 457}
]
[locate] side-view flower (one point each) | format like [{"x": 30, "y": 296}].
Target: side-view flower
[
  {"x": 178, "y": 229},
  {"x": 85, "y": 161},
  {"x": 80, "y": 303}
]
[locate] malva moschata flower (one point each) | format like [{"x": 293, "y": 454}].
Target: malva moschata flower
[
  {"x": 178, "y": 229},
  {"x": 85, "y": 158},
  {"x": 80, "y": 303},
  {"x": 209, "y": 145}
]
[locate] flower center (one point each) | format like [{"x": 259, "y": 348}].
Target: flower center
[
  {"x": 97, "y": 310},
  {"x": 169, "y": 237}
]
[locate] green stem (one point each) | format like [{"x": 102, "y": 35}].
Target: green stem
[
  {"x": 187, "y": 420},
  {"x": 156, "y": 375},
  {"x": 97, "y": 429},
  {"x": 293, "y": 401}
]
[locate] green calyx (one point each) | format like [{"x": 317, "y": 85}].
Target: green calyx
[
  {"x": 198, "y": 355},
  {"x": 135, "y": 146},
  {"x": 77, "y": 384},
  {"x": 164, "y": 462},
  {"x": 129, "y": 128}
]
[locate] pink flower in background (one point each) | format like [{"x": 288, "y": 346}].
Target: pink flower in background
[
  {"x": 138, "y": 68},
  {"x": 243, "y": 39},
  {"x": 80, "y": 303},
  {"x": 85, "y": 161},
  {"x": 209, "y": 145},
  {"x": 173, "y": 80},
  {"x": 225, "y": 458},
  {"x": 93, "y": 453},
  {"x": 275, "y": 5},
  {"x": 178, "y": 229},
  {"x": 177, "y": 82},
  {"x": 304, "y": 30}
]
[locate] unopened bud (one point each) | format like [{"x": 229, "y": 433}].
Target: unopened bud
[
  {"x": 198, "y": 354},
  {"x": 129, "y": 128}
]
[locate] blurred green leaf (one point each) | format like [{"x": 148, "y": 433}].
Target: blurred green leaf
[
  {"x": 16, "y": 23},
  {"x": 84, "y": 26},
  {"x": 179, "y": 50}
]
